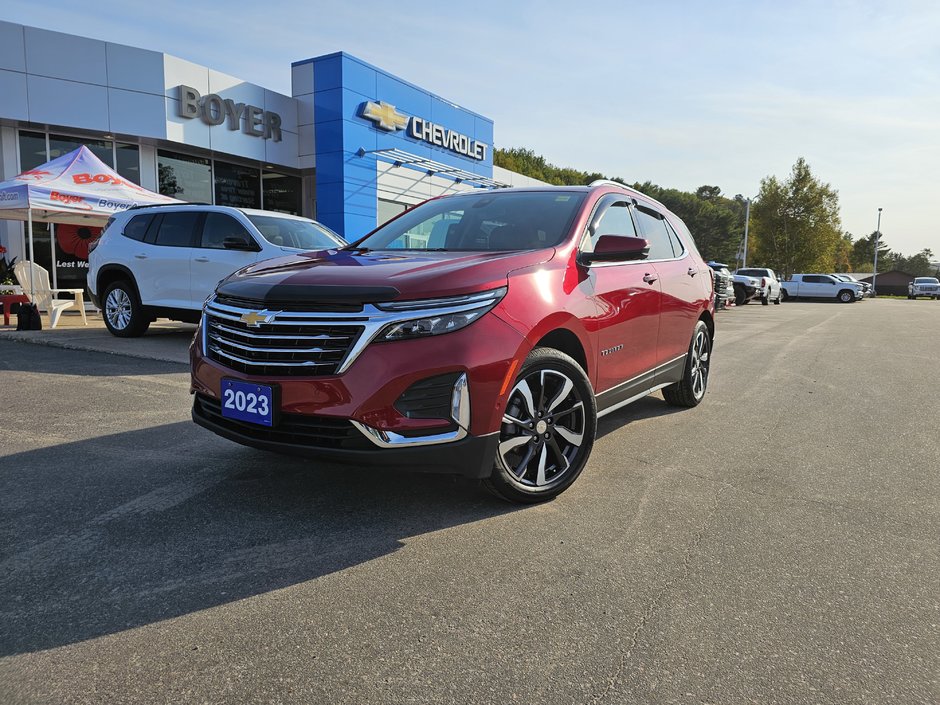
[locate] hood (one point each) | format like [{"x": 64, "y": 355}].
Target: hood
[{"x": 354, "y": 277}]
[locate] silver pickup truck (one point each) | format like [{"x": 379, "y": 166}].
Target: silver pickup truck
[{"x": 924, "y": 286}]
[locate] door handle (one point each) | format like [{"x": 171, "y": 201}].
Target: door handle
[
  {"x": 141, "y": 256},
  {"x": 200, "y": 259},
  {"x": 649, "y": 278},
  {"x": 692, "y": 272}
]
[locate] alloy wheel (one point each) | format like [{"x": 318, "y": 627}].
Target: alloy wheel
[
  {"x": 701, "y": 359},
  {"x": 543, "y": 429},
  {"x": 117, "y": 307}
]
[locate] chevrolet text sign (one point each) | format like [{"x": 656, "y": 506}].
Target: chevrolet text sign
[
  {"x": 212, "y": 109},
  {"x": 387, "y": 117}
]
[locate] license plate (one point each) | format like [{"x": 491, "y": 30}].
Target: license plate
[{"x": 249, "y": 402}]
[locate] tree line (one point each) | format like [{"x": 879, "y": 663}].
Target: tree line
[{"x": 794, "y": 222}]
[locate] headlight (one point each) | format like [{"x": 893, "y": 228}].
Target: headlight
[{"x": 440, "y": 315}]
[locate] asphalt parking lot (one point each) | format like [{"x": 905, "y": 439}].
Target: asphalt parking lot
[{"x": 778, "y": 544}]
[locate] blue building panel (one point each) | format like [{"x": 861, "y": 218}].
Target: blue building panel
[{"x": 347, "y": 198}]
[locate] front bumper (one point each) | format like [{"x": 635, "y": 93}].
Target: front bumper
[{"x": 338, "y": 441}]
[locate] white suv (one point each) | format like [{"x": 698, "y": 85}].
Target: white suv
[{"x": 164, "y": 261}]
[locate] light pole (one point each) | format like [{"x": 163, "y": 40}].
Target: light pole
[
  {"x": 747, "y": 220},
  {"x": 874, "y": 276}
]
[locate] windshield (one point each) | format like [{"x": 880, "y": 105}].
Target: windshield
[
  {"x": 479, "y": 222},
  {"x": 926, "y": 280},
  {"x": 295, "y": 233}
]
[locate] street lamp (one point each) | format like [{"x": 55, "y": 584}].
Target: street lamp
[{"x": 874, "y": 276}]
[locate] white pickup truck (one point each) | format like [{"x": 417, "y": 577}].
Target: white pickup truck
[
  {"x": 757, "y": 283},
  {"x": 924, "y": 286},
  {"x": 821, "y": 286}
]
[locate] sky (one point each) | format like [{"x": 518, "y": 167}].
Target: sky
[{"x": 680, "y": 93}]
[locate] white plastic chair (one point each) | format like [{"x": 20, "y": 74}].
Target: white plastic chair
[{"x": 44, "y": 294}]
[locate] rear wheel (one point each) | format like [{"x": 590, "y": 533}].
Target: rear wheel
[
  {"x": 740, "y": 297},
  {"x": 779, "y": 298},
  {"x": 691, "y": 389},
  {"x": 122, "y": 311},
  {"x": 547, "y": 430}
]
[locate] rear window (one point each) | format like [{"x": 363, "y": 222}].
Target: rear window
[
  {"x": 753, "y": 272},
  {"x": 136, "y": 228}
]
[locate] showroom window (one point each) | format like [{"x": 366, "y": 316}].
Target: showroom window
[
  {"x": 281, "y": 192},
  {"x": 184, "y": 177},
  {"x": 388, "y": 210},
  {"x": 33, "y": 152},
  {"x": 238, "y": 186}
]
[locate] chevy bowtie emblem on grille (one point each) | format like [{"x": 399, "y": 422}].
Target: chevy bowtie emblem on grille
[
  {"x": 384, "y": 115},
  {"x": 254, "y": 319}
]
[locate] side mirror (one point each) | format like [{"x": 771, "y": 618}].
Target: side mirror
[
  {"x": 239, "y": 243},
  {"x": 617, "y": 248}
]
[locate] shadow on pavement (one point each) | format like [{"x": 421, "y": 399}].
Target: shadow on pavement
[
  {"x": 119, "y": 531},
  {"x": 646, "y": 408},
  {"x": 46, "y": 359}
]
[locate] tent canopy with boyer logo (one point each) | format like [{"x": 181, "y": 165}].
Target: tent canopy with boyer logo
[{"x": 76, "y": 188}]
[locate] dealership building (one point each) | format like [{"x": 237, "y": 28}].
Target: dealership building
[{"x": 352, "y": 145}]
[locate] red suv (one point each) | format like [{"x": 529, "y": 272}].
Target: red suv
[{"x": 482, "y": 333}]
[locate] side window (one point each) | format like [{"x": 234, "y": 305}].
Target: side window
[
  {"x": 677, "y": 248},
  {"x": 218, "y": 227},
  {"x": 616, "y": 220},
  {"x": 136, "y": 228},
  {"x": 816, "y": 279},
  {"x": 653, "y": 228},
  {"x": 176, "y": 229}
]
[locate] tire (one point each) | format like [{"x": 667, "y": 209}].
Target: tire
[
  {"x": 765, "y": 300},
  {"x": 779, "y": 298},
  {"x": 740, "y": 297},
  {"x": 910, "y": 298},
  {"x": 846, "y": 296},
  {"x": 521, "y": 471},
  {"x": 691, "y": 389},
  {"x": 122, "y": 311},
  {"x": 784, "y": 296}
]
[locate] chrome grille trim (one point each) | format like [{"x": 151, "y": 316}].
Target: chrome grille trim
[{"x": 363, "y": 328}]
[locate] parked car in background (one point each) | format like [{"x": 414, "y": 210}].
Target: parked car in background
[
  {"x": 164, "y": 261},
  {"x": 924, "y": 286},
  {"x": 866, "y": 287},
  {"x": 489, "y": 351},
  {"x": 768, "y": 285},
  {"x": 821, "y": 286},
  {"x": 724, "y": 288}
]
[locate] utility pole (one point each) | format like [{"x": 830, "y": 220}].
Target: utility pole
[
  {"x": 874, "y": 276},
  {"x": 747, "y": 220}
]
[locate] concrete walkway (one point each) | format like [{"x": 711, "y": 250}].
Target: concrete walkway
[{"x": 165, "y": 340}]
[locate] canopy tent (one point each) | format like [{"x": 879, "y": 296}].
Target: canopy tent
[{"x": 76, "y": 188}]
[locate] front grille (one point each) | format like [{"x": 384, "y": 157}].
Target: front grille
[
  {"x": 290, "y": 345},
  {"x": 428, "y": 399},
  {"x": 288, "y": 305},
  {"x": 292, "y": 429}
]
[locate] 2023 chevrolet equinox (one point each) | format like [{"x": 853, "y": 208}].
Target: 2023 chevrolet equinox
[{"x": 482, "y": 333}]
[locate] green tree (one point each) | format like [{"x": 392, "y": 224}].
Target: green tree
[
  {"x": 863, "y": 253},
  {"x": 796, "y": 223}
]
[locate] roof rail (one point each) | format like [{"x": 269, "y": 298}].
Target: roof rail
[
  {"x": 160, "y": 205},
  {"x": 609, "y": 182}
]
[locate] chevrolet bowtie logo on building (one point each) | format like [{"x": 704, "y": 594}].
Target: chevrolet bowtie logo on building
[
  {"x": 384, "y": 115},
  {"x": 254, "y": 319}
]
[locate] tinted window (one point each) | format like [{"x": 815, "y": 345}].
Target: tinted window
[
  {"x": 816, "y": 279},
  {"x": 674, "y": 240},
  {"x": 219, "y": 226},
  {"x": 184, "y": 177},
  {"x": 653, "y": 228},
  {"x": 136, "y": 228},
  {"x": 238, "y": 186},
  {"x": 494, "y": 220},
  {"x": 176, "y": 229},
  {"x": 281, "y": 192},
  {"x": 616, "y": 220}
]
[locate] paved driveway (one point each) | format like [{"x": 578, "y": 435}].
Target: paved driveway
[{"x": 777, "y": 544}]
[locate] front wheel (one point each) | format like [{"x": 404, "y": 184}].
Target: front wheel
[
  {"x": 690, "y": 390},
  {"x": 547, "y": 430},
  {"x": 846, "y": 296},
  {"x": 122, "y": 311}
]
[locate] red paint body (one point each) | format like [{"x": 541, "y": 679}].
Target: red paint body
[{"x": 649, "y": 308}]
